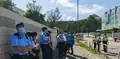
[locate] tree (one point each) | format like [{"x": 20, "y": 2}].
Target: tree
[
  {"x": 53, "y": 16},
  {"x": 94, "y": 23},
  {"x": 8, "y": 4},
  {"x": 34, "y": 12}
]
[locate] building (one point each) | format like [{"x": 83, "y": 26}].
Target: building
[
  {"x": 111, "y": 22},
  {"x": 111, "y": 19}
]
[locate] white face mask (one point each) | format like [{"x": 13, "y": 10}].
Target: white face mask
[{"x": 36, "y": 37}]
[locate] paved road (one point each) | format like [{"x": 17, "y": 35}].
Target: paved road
[
  {"x": 113, "y": 48},
  {"x": 79, "y": 53}
]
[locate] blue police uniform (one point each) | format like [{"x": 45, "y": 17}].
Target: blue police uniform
[
  {"x": 71, "y": 39},
  {"x": 23, "y": 41},
  {"x": 43, "y": 38},
  {"x": 46, "y": 50},
  {"x": 61, "y": 45},
  {"x": 70, "y": 42},
  {"x": 61, "y": 38}
]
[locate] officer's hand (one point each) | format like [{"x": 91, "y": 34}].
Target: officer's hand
[
  {"x": 30, "y": 47},
  {"x": 37, "y": 48},
  {"x": 33, "y": 54},
  {"x": 26, "y": 50}
]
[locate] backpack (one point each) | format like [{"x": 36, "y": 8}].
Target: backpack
[{"x": 16, "y": 34}]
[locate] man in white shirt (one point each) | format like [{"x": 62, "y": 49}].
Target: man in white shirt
[{"x": 61, "y": 40}]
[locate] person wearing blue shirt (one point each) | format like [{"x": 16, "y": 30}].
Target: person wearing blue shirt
[
  {"x": 70, "y": 42},
  {"x": 61, "y": 41},
  {"x": 21, "y": 44},
  {"x": 67, "y": 42},
  {"x": 99, "y": 42},
  {"x": 44, "y": 41}
]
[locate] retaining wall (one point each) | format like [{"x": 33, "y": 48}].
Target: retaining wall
[{"x": 8, "y": 20}]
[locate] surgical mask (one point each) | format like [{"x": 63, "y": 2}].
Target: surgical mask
[
  {"x": 37, "y": 37},
  {"x": 21, "y": 30}
]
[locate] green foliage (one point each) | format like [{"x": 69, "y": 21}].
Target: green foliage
[
  {"x": 91, "y": 24},
  {"x": 34, "y": 12},
  {"x": 53, "y": 16},
  {"x": 8, "y": 4}
]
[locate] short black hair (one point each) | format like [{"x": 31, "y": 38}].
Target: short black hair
[
  {"x": 49, "y": 32},
  {"x": 29, "y": 33},
  {"x": 44, "y": 28},
  {"x": 65, "y": 31},
  {"x": 34, "y": 33},
  {"x": 20, "y": 24}
]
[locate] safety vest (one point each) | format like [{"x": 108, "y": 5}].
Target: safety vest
[
  {"x": 95, "y": 40},
  {"x": 105, "y": 39}
]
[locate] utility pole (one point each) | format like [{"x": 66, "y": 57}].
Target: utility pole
[
  {"x": 34, "y": 1},
  {"x": 78, "y": 15}
]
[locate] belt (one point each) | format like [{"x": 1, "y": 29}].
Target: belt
[{"x": 20, "y": 55}]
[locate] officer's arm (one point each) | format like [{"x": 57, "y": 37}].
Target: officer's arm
[
  {"x": 43, "y": 38},
  {"x": 22, "y": 49},
  {"x": 15, "y": 44}
]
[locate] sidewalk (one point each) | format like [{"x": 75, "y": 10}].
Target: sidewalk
[
  {"x": 82, "y": 53},
  {"x": 113, "y": 48},
  {"x": 79, "y": 53}
]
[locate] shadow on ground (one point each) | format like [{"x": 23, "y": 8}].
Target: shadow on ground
[
  {"x": 55, "y": 56},
  {"x": 75, "y": 57},
  {"x": 112, "y": 54}
]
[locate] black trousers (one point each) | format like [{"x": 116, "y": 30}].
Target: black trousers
[
  {"x": 46, "y": 51},
  {"x": 95, "y": 44},
  {"x": 115, "y": 39},
  {"x": 98, "y": 43},
  {"x": 61, "y": 49},
  {"x": 70, "y": 48},
  {"x": 35, "y": 57},
  {"x": 17, "y": 56},
  {"x": 105, "y": 46}
]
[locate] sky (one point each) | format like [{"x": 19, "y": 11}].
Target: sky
[{"x": 68, "y": 8}]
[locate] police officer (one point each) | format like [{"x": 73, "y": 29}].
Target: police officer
[
  {"x": 71, "y": 42},
  {"x": 61, "y": 40},
  {"x": 21, "y": 43},
  {"x": 67, "y": 46},
  {"x": 44, "y": 40},
  {"x": 50, "y": 43},
  {"x": 95, "y": 41},
  {"x": 31, "y": 53},
  {"x": 105, "y": 42},
  {"x": 36, "y": 47},
  {"x": 99, "y": 42}
]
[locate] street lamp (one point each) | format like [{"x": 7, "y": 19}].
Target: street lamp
[{"x": 78, "y": 15}]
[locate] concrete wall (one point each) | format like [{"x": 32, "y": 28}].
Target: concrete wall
[{"x": 8, "y": 20}]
